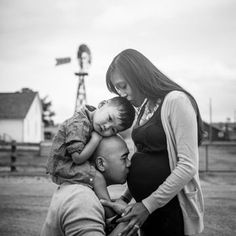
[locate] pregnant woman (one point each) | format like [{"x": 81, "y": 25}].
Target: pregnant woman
[{"x": 163, "y": 177}]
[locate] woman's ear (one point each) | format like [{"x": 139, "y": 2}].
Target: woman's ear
[
  {"x": 102, "y": 103},
  {"x": 100, "y": 163}
]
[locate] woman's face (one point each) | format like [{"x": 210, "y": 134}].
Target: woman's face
[{"x": 125, "y": 90}]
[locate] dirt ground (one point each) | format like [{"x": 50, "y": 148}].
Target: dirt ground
[{"x": 24, "y": 202}]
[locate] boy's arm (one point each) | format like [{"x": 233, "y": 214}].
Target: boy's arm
[{"x": 88, "y": 150}]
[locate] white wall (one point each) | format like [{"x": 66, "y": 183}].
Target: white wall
[
  {"x": 32, "y": 130},
  {"x": 11, "y": 128}
]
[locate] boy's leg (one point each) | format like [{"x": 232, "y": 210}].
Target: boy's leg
[{"x": 100, "y": 188}]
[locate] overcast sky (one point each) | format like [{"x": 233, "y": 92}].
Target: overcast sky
[{"x": 193, "y": 42}]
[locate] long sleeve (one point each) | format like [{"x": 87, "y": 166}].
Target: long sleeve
[{"x": 180, "y": 124}]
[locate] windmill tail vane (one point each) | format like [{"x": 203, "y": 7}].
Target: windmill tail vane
[{"x": 63, "y": 60}]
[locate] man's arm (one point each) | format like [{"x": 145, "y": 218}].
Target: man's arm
[{"x": 118, "y": 229}]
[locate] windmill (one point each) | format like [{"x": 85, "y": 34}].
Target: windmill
[{"x": 84, "y": 61}]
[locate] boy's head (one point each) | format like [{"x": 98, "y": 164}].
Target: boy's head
[{"x": 113, "y": 116}]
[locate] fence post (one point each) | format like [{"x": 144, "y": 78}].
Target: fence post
[
  {"x": 13, "y": 156},
  {"x": 206, "y": 159}
]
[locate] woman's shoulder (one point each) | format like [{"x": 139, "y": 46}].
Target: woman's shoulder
[
  {"x": 176, "y": 94},
  {"x": 175, "y": 100},
  {"x": 176, "y": 97}
]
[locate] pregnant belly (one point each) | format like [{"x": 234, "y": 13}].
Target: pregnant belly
[{"x": 147, "y": 172}]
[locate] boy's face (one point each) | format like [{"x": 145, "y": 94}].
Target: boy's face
[{"x": 106, "y": 121}]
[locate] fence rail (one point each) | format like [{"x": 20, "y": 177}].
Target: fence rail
[
  {"x": 213, "y": 157},
  {"x": 218, "y": 157}
]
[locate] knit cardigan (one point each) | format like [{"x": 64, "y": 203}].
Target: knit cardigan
[{"x": 180, "y": 125}]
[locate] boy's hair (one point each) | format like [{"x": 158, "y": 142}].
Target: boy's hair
[{"x": 126, "y": 111}]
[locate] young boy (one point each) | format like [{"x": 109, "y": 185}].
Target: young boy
[{"x": 77, "y": 139}]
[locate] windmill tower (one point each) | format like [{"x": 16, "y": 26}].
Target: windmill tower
[{"x": 84, "y": 60}]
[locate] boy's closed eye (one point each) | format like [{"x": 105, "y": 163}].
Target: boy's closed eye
[{"x": 114, "y": 131}]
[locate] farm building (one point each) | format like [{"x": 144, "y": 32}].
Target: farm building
[
  {"x": 220, "y": 131},
  {"x": 50, "y": 131},
  {"x": 21, "y": 117}
]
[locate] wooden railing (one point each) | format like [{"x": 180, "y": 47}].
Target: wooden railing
[{"x": 218, "y": 157}]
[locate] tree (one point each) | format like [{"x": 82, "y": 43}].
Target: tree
[{"x": 47, "y": 112}]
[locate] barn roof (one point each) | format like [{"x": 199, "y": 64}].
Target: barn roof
[{"x": 15, "y": 105}]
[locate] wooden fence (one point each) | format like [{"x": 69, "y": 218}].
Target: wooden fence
[
  {"x": 218, "y": 157},
  {"x": 213, "y": 156}
]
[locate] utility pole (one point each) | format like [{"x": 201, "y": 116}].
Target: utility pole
[
  {"x": 235, "y": 119},
  {"x": 210, "y": 124}
]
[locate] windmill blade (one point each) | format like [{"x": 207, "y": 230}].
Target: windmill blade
[{"x": 63, "y": 60}]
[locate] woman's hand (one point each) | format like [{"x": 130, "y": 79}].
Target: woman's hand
[{"x": 136, "y": 214}]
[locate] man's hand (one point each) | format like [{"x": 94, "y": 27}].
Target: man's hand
[{"x": 118, "y": 205}]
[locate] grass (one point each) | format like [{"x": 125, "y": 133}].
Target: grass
[
  {"x": 26, "y": 194},
  {"x": 220, "y": 157},
  {"x": 24, "y": 202}
]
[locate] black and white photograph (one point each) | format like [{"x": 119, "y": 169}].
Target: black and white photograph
[{"x": 118, "y": 118}]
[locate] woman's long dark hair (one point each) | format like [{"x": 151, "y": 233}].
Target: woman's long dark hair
[{"x": 142, "y": 75}]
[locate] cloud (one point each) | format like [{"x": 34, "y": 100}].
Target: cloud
[
  {"x": 193, "y": 42},
  {"x": 125, "y": 14}
]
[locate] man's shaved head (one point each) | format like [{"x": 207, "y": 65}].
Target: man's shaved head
[
  {"x": 104, "y": 148},
  {"x": 111, "y": 159}
]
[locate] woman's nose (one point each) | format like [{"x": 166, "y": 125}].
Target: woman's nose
[{"x": 122, "y": 93}]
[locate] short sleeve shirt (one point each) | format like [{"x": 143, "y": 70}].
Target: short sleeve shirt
[
  {"x": 74, "y": 210},
  {"x": 72, "y": 136}
]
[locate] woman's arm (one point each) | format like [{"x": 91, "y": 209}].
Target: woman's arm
[{"x": 182, "y": 123}]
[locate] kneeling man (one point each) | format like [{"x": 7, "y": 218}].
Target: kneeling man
[{"x": 74, "y": 208}]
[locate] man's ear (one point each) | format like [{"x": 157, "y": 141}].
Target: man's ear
[
  {"x": 100, "y": 163},
  {"x": 102, "y": 103}
]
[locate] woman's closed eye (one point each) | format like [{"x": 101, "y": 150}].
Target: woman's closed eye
[{"x": 121, "y": 86}]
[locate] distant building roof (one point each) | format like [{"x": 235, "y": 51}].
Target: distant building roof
[
  {"x": 16, "y": 105},
  {"x": 221, "y": 126},
  {"x": 213, "y": 125}
]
